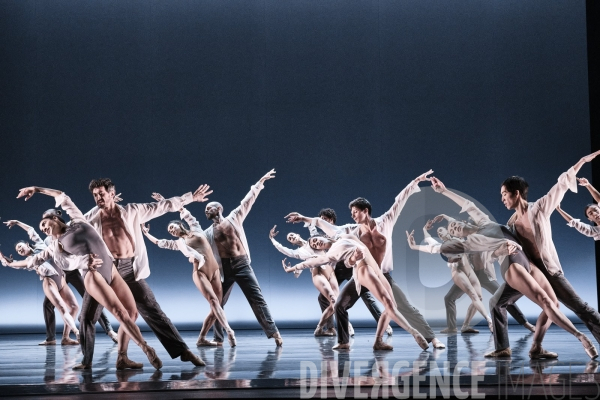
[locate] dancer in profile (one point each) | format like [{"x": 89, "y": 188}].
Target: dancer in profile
[
  {"x": 53, "y": 282},
  {"x": 323, "y": 276},
  {"x": 366, "y": 273},
  {"x": 193, "y": 244},
  {"x": 78, "y": 246}
]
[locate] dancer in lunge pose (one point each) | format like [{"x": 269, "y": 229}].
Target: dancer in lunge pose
[
  {"x": 521, "y": 278},
  {"x": 367, "y": 273},
  {"x": 78, "y": 246},
  {"x": 323, "y": 276},
  {"x": 53, "y": 282},
  {"x": 120, "y": 227},
  {"x": 376, "y": 235},
  {"x": 192, "y": 243},
  {"x": 230, "y": 248},
  {"x": 462, "y": 273},
  {"x": 71, "y": 277}
]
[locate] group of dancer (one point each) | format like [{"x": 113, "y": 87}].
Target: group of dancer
[{"x": 103, "y": 255}]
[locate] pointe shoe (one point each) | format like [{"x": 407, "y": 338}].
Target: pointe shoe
[
  {"x": 389, "y": 330},
  {"x": 202, "y": 342},
  {"x": 68, "y": 342},
  {"x": 278, "y": 339},
  {"x": 187, "y": 355},
  {"x": 123, "y": 362},
  {"x": 588, "y": 346},
  {"x": 81, "y": 366},
  {"x": 529, "y": 326},
  {"x": 233, "y": 342},
  {"x": 421, "y": 341},
  {"x": 468, "y": 329},
  {"x": 330, "y": 332},
  {"x": 152, "y": 357},
  {"x": 380, "y": 345},
  {"x": 47, "y": 343},
  {"x": 507, "y": 352},
  {"x": 437, "y": 344},
  {"x": 538, "y": 352},
  {"x": 113, "y": 335},
  {"x": 319, "y": 331},
  {"x": 341, "y": 346},
  {"x": 350, "y": 330}
]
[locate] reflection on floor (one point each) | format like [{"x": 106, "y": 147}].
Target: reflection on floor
[{"x": 305, "y": 362}]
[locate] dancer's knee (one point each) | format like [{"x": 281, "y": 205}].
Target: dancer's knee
[{"x": 121, "y": 313}]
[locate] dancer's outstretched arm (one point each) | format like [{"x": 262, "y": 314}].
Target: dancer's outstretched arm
[
  {"x": 391, "y": 215},
  {"x": 431, "y": 247},
  {"x": 585, "y": 183},
  {"x": 33, "y": 235},
  {"x": 300, "y": 254},
  {"x": 9, "y": 262},
  {"x": 479, "y": 217},
  {"x": 177, "y": 245},
  {"x": 582, "y": 227}
]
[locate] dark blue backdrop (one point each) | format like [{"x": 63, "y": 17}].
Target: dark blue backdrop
[{"x": 343, "y": 98}]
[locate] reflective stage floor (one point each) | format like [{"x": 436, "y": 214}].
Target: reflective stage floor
[{"x": 305, "y": 367}]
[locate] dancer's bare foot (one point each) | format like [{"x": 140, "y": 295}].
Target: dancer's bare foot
[
  {"x": 437, "y": 344},
  {"x": 278, "y": 339}
]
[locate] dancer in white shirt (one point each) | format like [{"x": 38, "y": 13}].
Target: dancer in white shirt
[{"x": 592, "y": 212}]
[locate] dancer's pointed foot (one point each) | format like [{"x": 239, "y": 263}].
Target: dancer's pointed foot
[
  {"x": 350, "y": 329},
  {"x": 81, "y": 366},
  {"x": 123, "y": 362},
  {"x": 113, "y": 335},
  {"x": 47, "y": 343},
  {"x": 537, "y": 352},
  {"x": 67, "y": 341},
  {"x": 187, "y": 355},
  {"x": 529, "y": 326},
  {"x": 231, "y": 339},
  {"x": 381, "y": 345},
  {"x": 278, "y": 339},
  {"x": 389, "y": 330},
  {"x": 421, "y": 341},
  {"x": 507, "y": 352},
  {"x": 202, "y": 342},
  {"x": 341, "y": 346},
  {"x": 152, "y": 357},
  {"x": 437, "y": 344},
  {"x": 330, "y": 332},
  {"x": 588, "y": 346}
]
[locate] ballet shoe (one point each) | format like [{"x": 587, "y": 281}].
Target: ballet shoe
[
  {"x": 330, "y": 332},
  {"x": 231, "y": 339},
  {"x": 278, "y": 339},
  {"x": 187, "y": 355},
  {"x": 123, "y": 362},
  {"x": 113, "y": 335},
  {"x": 81, "y": 366},
  {"x": 389, "y": 330},
  {"x": 319, "y": 331},
  {"x": 202, "y": 342},
  {"x": 381, "y": 345},
  {"x": 68, "y": 342},
  {"x": 588, "y": 346},
  {"x": 468, "y": 329},
  {"x": 435, "y": 342},
  {"x": 529, "y": 327},
  {"x": 448, "y": 331},
  {"x": 47, "y": 343},
  {"x": 538, "y": 352},
  {"x": 350, "y": 330},
  {"x": 152, "y": 357},
  {"x": 421, "y": 341},
  {"x": 341, "y": 346},
  {"x": 507, "y": 352}
]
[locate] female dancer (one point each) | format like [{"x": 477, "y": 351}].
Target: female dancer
[
  {"x": 192, "y": 242},
  {"x": 78, "y": 246},
  {"x": 592, "y": 212},
  {"x": 323, "y": 276},
  {"x": 518, "y": 272},
  {"x": 366, "y": 273},
  {"x": 53, "y": 280},
  {"x": 462, "y": 273}
]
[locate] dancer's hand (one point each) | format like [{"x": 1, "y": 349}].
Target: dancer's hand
[
  {"x": 267, "y": 176},
  {"x": 508, "y": 248},
  {"x": 94, "y": 262},
  {"x": 590, "y": 157},
  {"x": 411, "y": 240},
  {"x": 118, "y": 198},
  {"x": 4, "y": 260},
  {"x": 424, "y": 177},
  {"x": 583, "y": 182},
  {"x": 201, "y": 193},
  {"x": 295, "y": 218},
  {"x": 191, "y": 259},
  {"x": 272, "y": 232},
  {"x": 157, "y": 196},
  {"x": 429, "y": 224},
  {"x": 287, "y": 267},
  {"x": 441, "y": 217},
  {"x": 145, "y": 228},
  {"x": 357, "y": 256},
  {"x": 27, "y": 192},
  {"x": 11, "y": 223},
  {"x": 437, "y": 185}
]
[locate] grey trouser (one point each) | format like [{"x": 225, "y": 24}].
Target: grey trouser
[
  {"x": 238, "y": 270},
  {"x": 456, "y": 293},
  {"x": 76, "y": 280}
]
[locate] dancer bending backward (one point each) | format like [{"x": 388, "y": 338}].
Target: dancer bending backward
[
  {"x": 192, "y": 243},
  {"x": 462, "y": 273},
  {"x": 53, "y": 282},
  {"x": 78, "y": 246},
  {"x": 521, "y": 277},
  {"x": 230, "y": 248},
  {"x": 323, "y": 276},
  {"x": 376, "y": 235},
  {"x": 366, "y": 273},
  {"x": 592, "y": 212}
]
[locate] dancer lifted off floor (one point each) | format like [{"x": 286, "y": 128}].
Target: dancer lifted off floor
[
  {"x": 230, "y": 248},
  {"x": 192, "y": 243},
  {"x": 376, "y": 235},
  {"x": 78, "y": 246}
]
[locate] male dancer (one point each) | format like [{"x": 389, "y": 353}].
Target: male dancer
[
  {"x": 342, "y": 273},
  {"x": 73, "y": 277},
  {"x": 531, "y": 224},
  {"x": 376, "y": 234},
  {"x": 230, "y": 247},
  {"x": 119, "y": 226}
]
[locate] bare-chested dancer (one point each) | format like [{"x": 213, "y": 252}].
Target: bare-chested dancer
[
  {"x": 376, "y": 234},
  {"x": 230, "y": 248},
  {"x": 119, "y": 227},
  {"x": 192, "y": 243}
]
